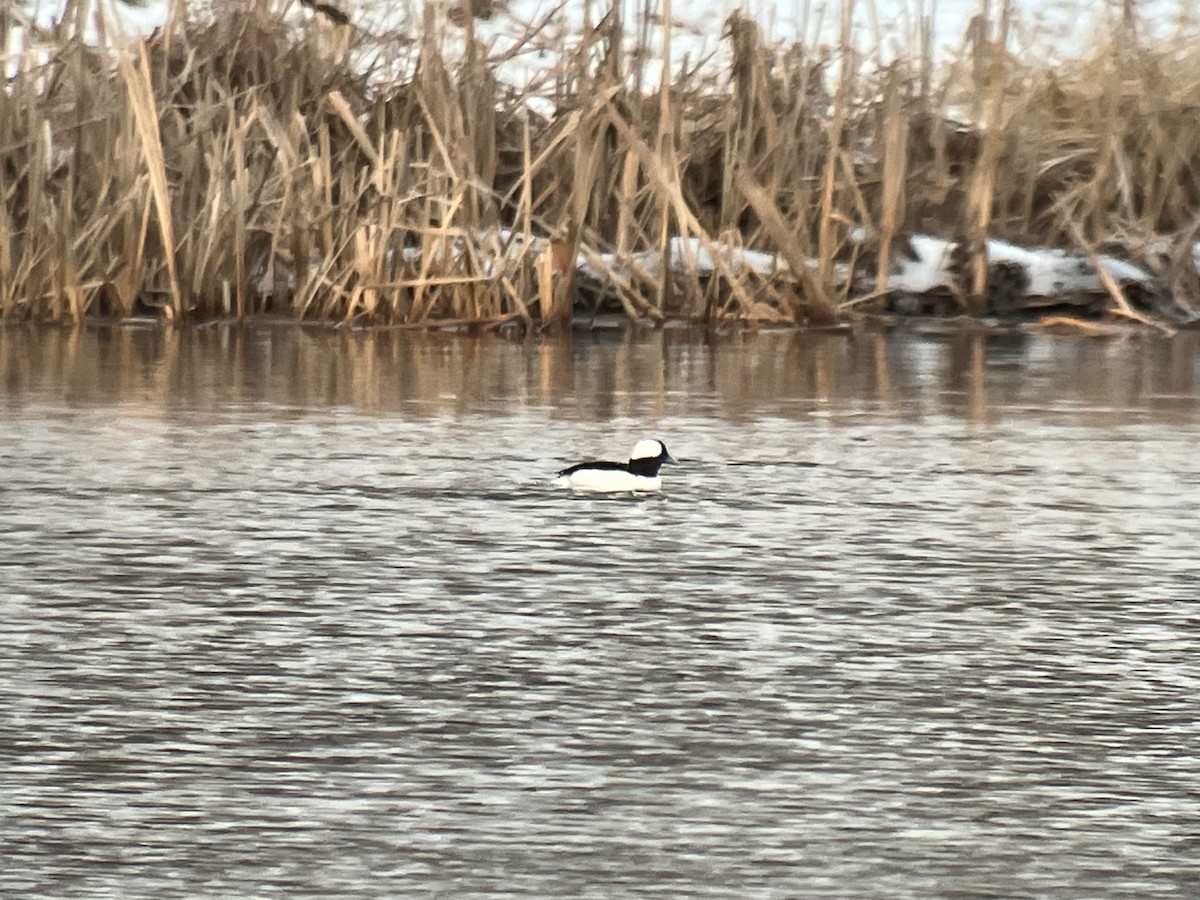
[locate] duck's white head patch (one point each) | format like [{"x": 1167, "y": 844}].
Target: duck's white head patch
[{"x": 647, "y": 449}]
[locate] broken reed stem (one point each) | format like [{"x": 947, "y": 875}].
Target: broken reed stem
[
  {"x": 1122, "y": 306},
  {"x": 989, "y": 63},
  {"x": 829, "y": 182},
  {"x": 141, "y": 99},
  {"x": 822, "y": 309},
  {"x": 894, "y": 172}
]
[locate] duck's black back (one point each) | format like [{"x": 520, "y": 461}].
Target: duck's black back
[{"x": 603, "y": 464}]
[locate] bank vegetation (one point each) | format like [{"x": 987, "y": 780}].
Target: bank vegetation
[{"x": 233, "y": 164}]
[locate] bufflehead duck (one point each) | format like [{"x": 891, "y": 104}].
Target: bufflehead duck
[{"x": 639, "y": 474}]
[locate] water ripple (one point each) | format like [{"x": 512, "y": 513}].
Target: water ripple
[{"x": 314, "y": 654}]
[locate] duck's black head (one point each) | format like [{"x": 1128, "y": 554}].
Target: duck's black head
[{"x": 647, "y": 458}]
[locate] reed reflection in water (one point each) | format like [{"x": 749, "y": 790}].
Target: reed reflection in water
[
  {"x": 598, "y": 375},
  {"x": 293, "y": 612}
]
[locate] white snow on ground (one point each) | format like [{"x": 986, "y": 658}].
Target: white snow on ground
[
  {"x": 929, "y": 271},
  {"x": 926, "y": 266},
  {"x": 1051, "y": 272}
]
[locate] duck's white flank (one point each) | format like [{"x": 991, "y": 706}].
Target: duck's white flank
[{"x": 610, "y": 481}]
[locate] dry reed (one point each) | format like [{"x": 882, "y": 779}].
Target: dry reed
[{"x": 234, "y": 166}]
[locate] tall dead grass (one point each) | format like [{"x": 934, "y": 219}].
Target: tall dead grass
[{"x": 235, "y": 166}]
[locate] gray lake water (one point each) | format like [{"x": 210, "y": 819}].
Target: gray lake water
[{"x": 296, "y": 613}]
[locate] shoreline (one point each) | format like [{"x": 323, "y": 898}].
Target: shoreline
[{"x": 511, "y": 330}]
